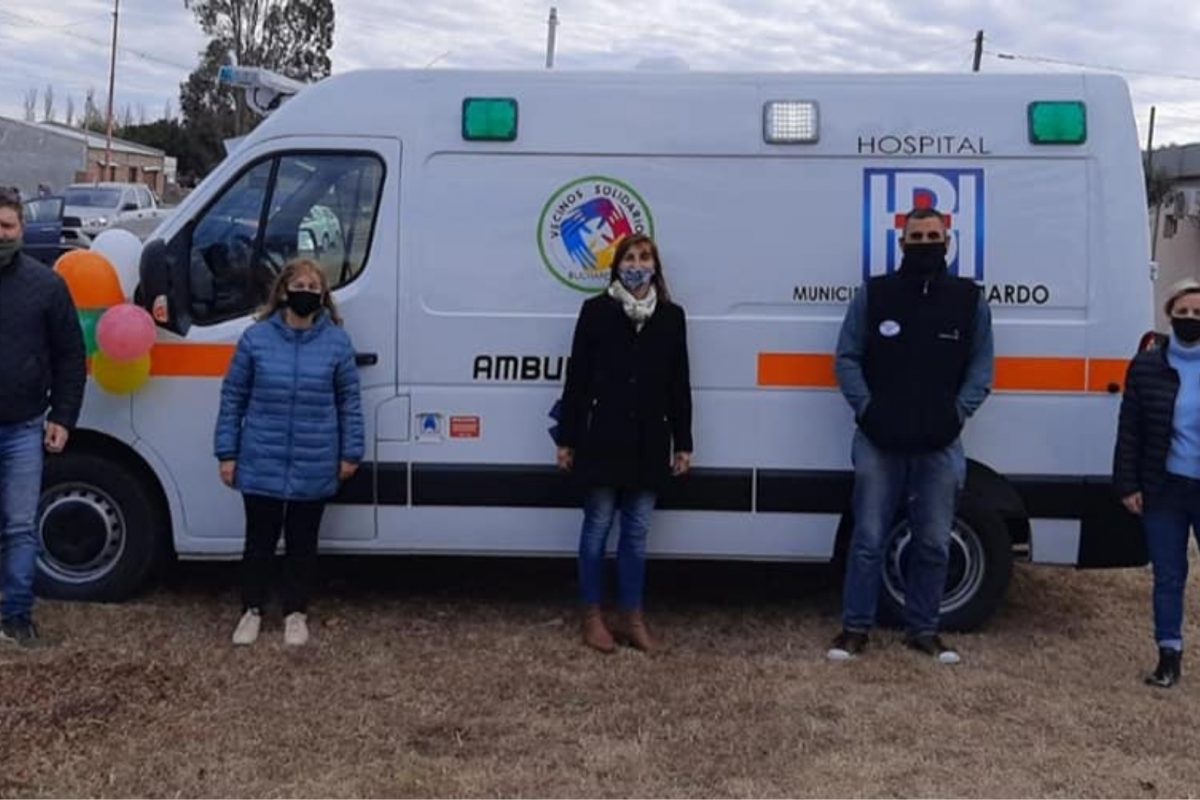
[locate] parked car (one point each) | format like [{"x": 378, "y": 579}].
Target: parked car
[
  {"x": 320, "y": 229},
  {"x": 92, "y": 207},
  {"x": 46, "y": 237}
]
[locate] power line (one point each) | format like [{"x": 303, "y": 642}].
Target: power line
[
  {"x": 955, "y": 45},
  {"x": 98, "y": 42},
  {"x": 1083, "y": 65},
  {"x": 931, "y": 58},
  {"x": 46, "y": 25}
]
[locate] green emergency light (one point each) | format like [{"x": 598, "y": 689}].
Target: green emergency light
[
  {"x": 489, "y": 119},
  {"x": 1057, "y": 122}
]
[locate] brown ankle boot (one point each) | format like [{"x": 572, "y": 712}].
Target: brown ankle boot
[
  {"x": 595, "y": 632},
  {"x": 633, "y": 632}
]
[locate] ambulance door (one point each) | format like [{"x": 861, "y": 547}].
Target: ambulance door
[{"x": 332, "y": 200}]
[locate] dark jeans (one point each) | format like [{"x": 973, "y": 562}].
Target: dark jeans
[
  {"x": 20, "y": 490},
  {"x": 1168, "y": 518},
  {"x": 300, "y": 521},
  {"x": 925, "y": 486}
]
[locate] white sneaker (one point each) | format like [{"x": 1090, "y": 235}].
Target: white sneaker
[
  {"x": 246, "y": 632},
  {"x": 295, "y": 629}
]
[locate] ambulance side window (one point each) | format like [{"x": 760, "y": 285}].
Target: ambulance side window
[
  {"x": 323, "y": 208},
  {"x": 320, "y": 206},
  {"x": 225, "y": 279}
]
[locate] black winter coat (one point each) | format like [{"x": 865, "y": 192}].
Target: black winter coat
[
  {"x": 1147, "y": 418},
  {"x": 45, "y": 365},
  {"x": 627, "y": 404}
]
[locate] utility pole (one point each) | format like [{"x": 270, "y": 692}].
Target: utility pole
[
  {"x": 112, "y": 76},
  {"x": 978, "y": 50},
  {"x": 1150, "y": 182},
  {"x": 550, "y": 37}
]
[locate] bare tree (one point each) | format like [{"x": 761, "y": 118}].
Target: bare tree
[
  {"x": 127, "y": 117},
  {"x": 141, "y": 114},
  {"x": 29, "y": 103},
  {"x": 168, "y": 110},
  {"x": 48, "y": 110},
  {"x": 70, "y": 111},
  {"x": 93, "y": 119}
]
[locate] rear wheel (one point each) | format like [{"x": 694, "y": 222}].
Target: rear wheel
[
  {"x": 977, "y": 575},
  {"x": 100, "y": 527}
]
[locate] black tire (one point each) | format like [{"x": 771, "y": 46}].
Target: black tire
[
  {"x": 977, "y": 579},
  {"x": 100, "y": 526}
]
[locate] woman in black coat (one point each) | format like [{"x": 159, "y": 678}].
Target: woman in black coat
[
  {"x": 1156, "y": 467},
  {"x": 625, "y": 428}
]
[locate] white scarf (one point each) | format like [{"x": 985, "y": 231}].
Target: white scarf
[{"x": 638, "y": 311}]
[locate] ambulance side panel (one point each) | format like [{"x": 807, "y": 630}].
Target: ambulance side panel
[{"x": 763, "y": 245}]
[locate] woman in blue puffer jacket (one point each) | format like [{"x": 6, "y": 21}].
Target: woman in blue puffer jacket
[{"x": 289, "y": 431}]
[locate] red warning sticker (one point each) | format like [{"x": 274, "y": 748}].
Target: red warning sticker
[{"x": 464, "y": 427}]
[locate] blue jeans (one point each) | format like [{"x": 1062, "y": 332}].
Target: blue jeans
[
  {"x": 20, "y": 490},
  {"x": 1166, "y": 519},
  {"x": 925, "y": 485},
  {"x": 599, "y": 508}
]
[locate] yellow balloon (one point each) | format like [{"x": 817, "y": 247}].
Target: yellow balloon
[{"x": 120, "y": 377}]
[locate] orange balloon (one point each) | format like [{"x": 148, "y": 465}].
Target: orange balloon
[{"x": 91, "y": 279}]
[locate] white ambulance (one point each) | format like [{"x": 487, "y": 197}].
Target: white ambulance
[{"x": 463, "y": 217}]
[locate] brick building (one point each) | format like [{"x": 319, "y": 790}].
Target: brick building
[{"x": 54, "y": 155}]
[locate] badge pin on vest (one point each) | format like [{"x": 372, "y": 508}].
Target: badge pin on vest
[{"x": 889, "y": 328}]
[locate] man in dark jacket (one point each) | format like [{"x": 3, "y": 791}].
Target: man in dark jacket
[
  {"x": 44, "y": 370},
  {"x": 914, "y": 360}
]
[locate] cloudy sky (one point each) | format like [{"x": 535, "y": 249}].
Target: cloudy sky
[{"x": 1153, "y": 42}]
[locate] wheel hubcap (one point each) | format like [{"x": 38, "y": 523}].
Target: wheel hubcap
[
  {"x": 82, "y": 533},
  {"x": 964, "y": 568}
]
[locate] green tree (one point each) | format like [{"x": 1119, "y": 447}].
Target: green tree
[
  {"x": 174, "y": 139},
  {"x": 292, "y": 37},
  {"x": 288, "y": 36}
]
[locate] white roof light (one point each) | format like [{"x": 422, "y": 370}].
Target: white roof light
[
  {"x": 265, "y": 90},
  {"x": 790, "y": 122}
]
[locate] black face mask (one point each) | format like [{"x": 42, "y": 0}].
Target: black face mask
[
  {"x": 305, "y": 304},
  {"x": 924, "y": 260},
  {"x": 1187, "y": 329}
]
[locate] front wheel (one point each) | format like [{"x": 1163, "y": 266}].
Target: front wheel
[
  {"x": 977, "y": 575},
  {"x": 100, "y": 529}
]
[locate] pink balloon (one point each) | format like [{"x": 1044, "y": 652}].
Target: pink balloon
[{"x": 126, "y": 332}]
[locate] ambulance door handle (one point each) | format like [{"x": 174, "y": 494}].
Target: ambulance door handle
[{"x": 366, "y": 359}]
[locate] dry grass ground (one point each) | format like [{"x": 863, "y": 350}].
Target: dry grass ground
[{"x": 459, "y": 677}]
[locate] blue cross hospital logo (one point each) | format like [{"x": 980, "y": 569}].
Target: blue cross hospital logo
[{"x": 889, "y": 194}]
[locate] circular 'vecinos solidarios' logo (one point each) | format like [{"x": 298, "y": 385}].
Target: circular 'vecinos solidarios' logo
[{"x": 581, "y": 226}]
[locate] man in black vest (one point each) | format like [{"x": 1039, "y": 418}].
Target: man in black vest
[{"x": 914, "y": 360}]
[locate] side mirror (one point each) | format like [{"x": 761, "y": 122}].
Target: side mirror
[
  {"x": 163, "y": 288},
  {"x": 130, "y": 207}
]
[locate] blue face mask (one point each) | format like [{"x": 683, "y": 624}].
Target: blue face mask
[{"x": 635, "y": 278}]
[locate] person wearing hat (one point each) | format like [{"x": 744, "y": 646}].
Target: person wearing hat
[{"x": 1156, "y": 464}]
